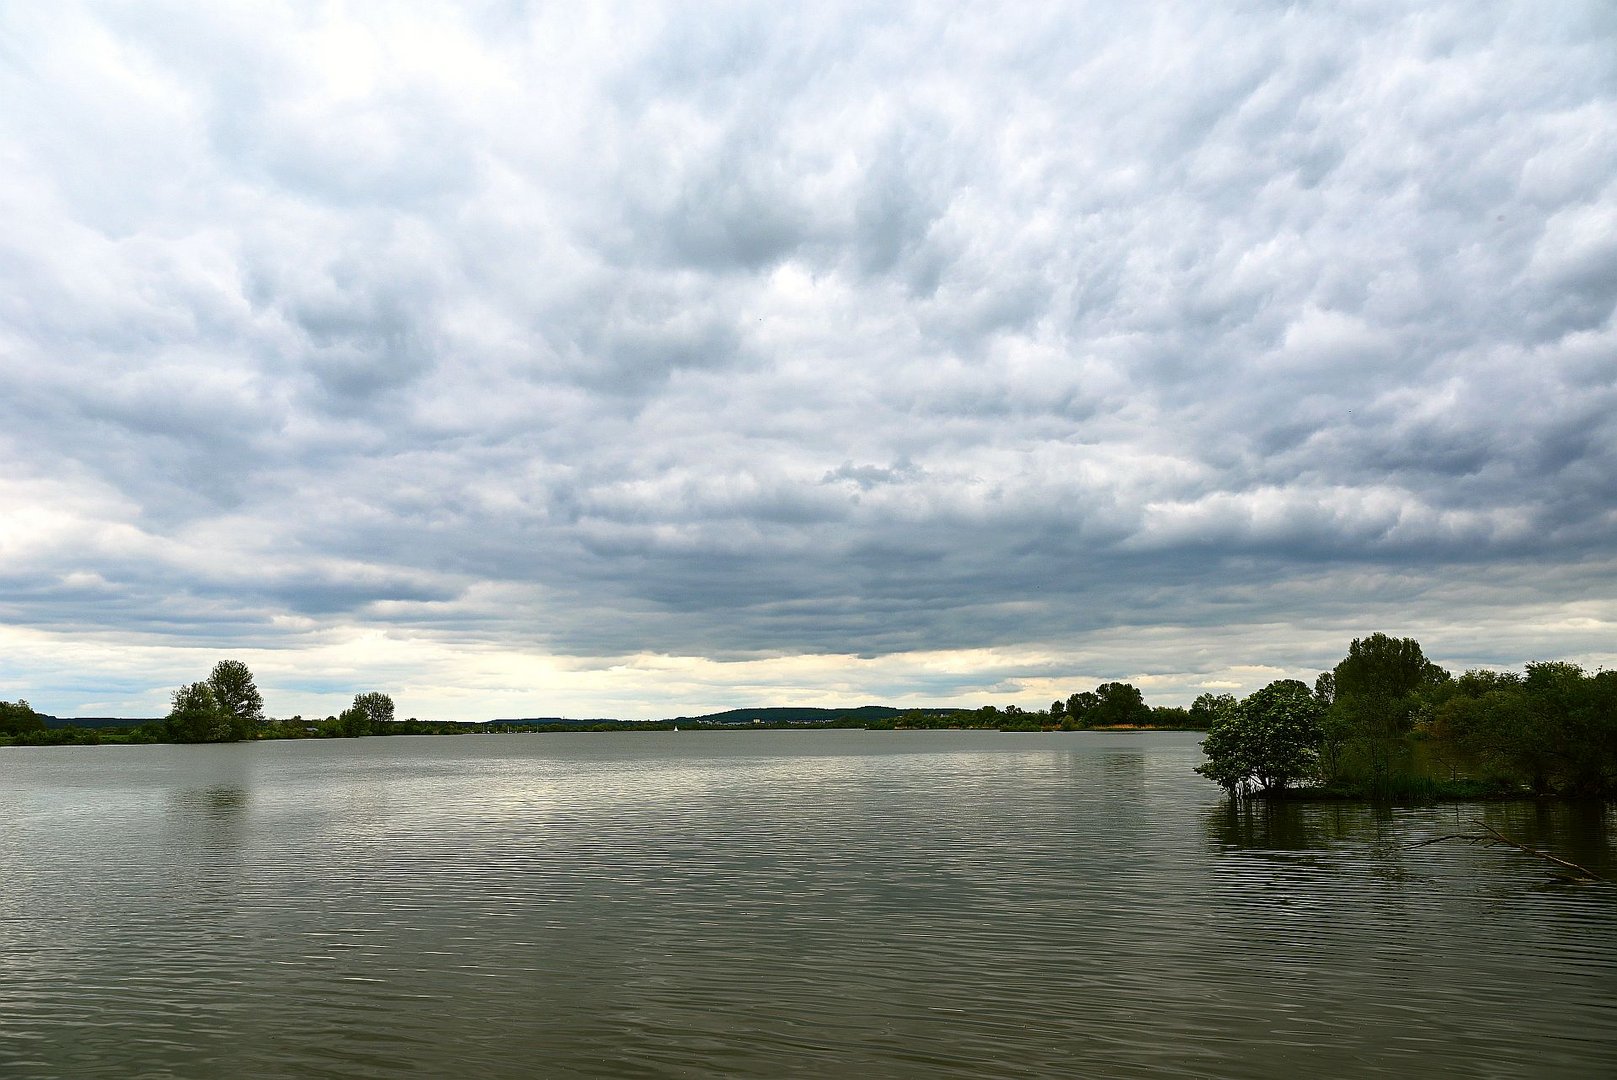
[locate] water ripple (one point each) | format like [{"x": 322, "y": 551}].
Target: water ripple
[{"x": 760, "y": 905}]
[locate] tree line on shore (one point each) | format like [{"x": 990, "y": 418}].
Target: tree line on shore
[
  {"x": 1111, "y": 705},
  {"x": 228, "y": 707},
  {"x": 1386, "y": 722},
  {"x": 225, "y": 707}
]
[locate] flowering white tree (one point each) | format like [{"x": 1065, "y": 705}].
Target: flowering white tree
[{"x": 1269, "y": 740}]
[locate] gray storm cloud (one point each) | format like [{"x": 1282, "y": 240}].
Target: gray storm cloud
[{"x": 729, "y": 332}]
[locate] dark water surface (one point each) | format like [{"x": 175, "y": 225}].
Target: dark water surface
[{"x": 759, "y": 904}]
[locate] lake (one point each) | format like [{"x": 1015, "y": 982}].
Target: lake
[{"x": 774, "y": 904}]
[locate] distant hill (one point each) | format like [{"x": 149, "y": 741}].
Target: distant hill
[
  {"x": 98, "y": 721},
  {"x": 803, "y": 715},
  {"x": 735, "y": 717},
  {"x": 556, "y": 721}
]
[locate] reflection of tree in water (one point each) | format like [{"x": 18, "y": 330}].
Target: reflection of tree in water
[
  {"x": 224, "y": 801},
  {"x": 207, "y": 833},
  {"x": 1283, "y": 825},
  {"x": 210, "y": 817},
  {"x": 1260, "y": 825},
  {"x": 1123, "y": 773},
  {"x": 1383, "y": 840},
  {"x": 1327, "y": 835},
  {"x": 1582, "y": 831}
]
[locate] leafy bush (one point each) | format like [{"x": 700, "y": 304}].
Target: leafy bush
[{"x": 1270, "y": 740}]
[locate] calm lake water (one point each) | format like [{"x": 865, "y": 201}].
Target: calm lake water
[{"x": 763, "y": 904}]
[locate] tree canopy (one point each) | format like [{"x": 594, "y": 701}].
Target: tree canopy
[
  {"x": 1269, "y": 740},
  {"x": 237, "y": 696},
  {"x": 226, "y": 707},
  {"x": 370, "y": 714},
  {"x": 1376, "y": 692},
  {"x": 197, "y": 717},
  {"x": 1387, "y": 722},
  {"x": 1111, "y": 704},
  {"x": 1553, "y": 728},
  {"x": 19, "y": 718},
  {"x": 1207, "y": 708}
]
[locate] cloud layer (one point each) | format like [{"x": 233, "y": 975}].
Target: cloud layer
[{"x": 631, "y": 360}]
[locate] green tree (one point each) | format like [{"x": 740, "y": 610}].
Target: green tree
[
  {"x": 1270, "y": 740},
  {"x": 1171, "y": 716},
  {"x": 1377, "y": 690},
  {"x": 1484, "y": 725},
  {"x": 378, "y": 709},
  {"x": 1553, "y": 729},
  {"x": 1079, "y": 706},
  {"x": 196, "y": 716},
  {"x": 236, "y": 695},
  {"x": 1118, "y": 704},
  {"x": 1575, "y": 714},
  {"x": 1207, "y": 708},
  {"x": 352, "y": 723},
  {"x": 368, "y": 715},
  {"x": 1594, "y": 736},
  {"x": 1325, "y": 689},
  {"x": 1334, "y": 730},
  {"x": 19, "y": 718}
]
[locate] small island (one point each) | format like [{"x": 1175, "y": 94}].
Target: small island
[{"x": 1387, "y": 724}]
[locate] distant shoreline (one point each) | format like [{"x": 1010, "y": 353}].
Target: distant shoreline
[{"x": 62, "y": 732}]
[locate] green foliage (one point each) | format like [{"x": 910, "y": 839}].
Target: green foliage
[
  {"x": 378, "y": 710},
  {"x": 1270, "y": 740},
  {"x": 1336, "y": 738},
  {"x": 1325, "y": 689},
  {"x": 1111, "y": 704},
  {"x": 1484, "y": 725},
  {"x": 225, "y": 708},
  {"x": 1208, "y": 707},
  {"x": 1553, "y": 730},
  {"x": 1120, "y": 704},
  {"x": 1171, "y": 716},
  {"x": 352, "y": 723},
  {"x": 1282, "y": 722},
  {"x": 1401, "y": 726},
  {"x": 1376, "y": 692},
  {"x": 19, "y": 718},
  {"x": 65, "y": 736},
  {"x": 370, "y": 714},
  {"x": 236, "y": 695},
  {"x": 197, "y": 717},
  {"x": 1382, "y": 666},
  {"x": 1079, "y": 706}
]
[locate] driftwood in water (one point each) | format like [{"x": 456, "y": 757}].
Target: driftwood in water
[{"x": 1491, "y": 837}]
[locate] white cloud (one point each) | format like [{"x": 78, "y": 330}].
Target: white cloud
[{"x": 454, "y": 348}]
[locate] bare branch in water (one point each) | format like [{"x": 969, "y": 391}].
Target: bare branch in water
[{"x": 1492, "y": 837}]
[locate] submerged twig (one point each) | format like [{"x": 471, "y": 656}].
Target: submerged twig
[{"x": 1492, "y": 837}]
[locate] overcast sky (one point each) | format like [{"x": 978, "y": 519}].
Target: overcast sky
[{"x": 640, "y": 360}]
